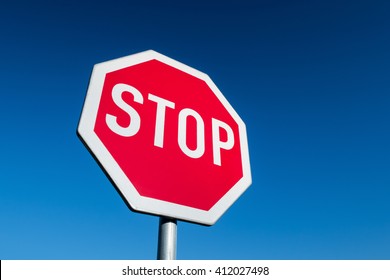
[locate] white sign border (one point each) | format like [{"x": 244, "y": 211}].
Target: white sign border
[{"x": 124, "y": 185}]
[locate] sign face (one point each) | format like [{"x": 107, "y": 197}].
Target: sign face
[{"x": 166, "y": 136}]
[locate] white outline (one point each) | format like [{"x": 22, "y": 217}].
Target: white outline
[{"x": 145, "y": 204}]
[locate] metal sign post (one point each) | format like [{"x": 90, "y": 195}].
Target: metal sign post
[{"x": 167, "y": 235}]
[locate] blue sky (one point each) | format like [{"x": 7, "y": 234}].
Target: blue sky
[{"x": 309, "y": 78}]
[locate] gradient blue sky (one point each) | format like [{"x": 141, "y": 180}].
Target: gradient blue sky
[{"x": 311, "y": 79}]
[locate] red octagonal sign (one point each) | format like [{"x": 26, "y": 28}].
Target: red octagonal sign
[{"x": 166, "y": 136}]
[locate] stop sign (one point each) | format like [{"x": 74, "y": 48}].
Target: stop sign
[{"x": 166, "y": 136}]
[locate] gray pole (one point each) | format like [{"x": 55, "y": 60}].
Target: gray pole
[{"x": 167, "y": 234}]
